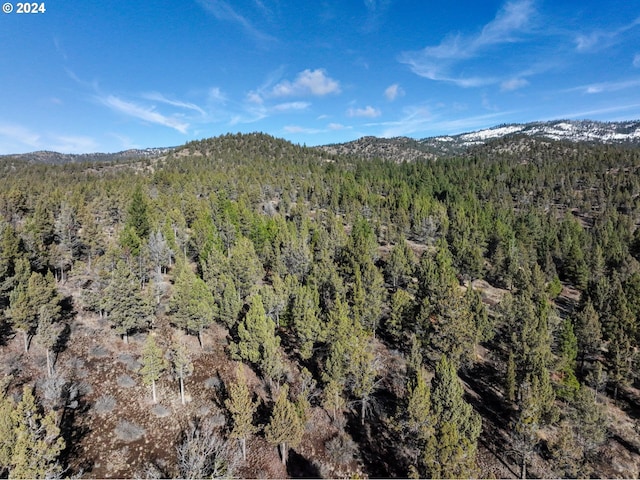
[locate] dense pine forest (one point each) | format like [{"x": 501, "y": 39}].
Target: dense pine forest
[{"x": 242, "y": 306}]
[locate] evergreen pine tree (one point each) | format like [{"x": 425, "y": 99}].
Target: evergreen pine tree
[
  {"x": 182, "y": 365},
  {"x": 230, "y": 303},
  {"x": 128, "y": 310},
  {"x": 38, "y": 442},
  {"x": 364, "y": 368},
  {"x": 285, "y": 429},
  {"x": 137, "y": 214},
  {"x": 192, "y": 305},
  {"x": 451, "y": 451},
  {"x": 48, "y": 333},
  {"x": 304, "y": 317},
  {"x": 258, "y": 343},
  {"x": 153, "y": 364},
  {"x": 242, "y": 408},
  {"x": 588, "y": 332}
]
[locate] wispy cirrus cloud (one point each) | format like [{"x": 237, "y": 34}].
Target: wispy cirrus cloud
[
  {"x": 600, "y": 39},
  {"x": 223, "y": 11},
  {"x": 299, "y": 129},
  {"x": 72, "y": 144},
  {"x": 439, "y": 62},
  {"x": 15, "y": 138},
  {"x": 158, "y": 97},
  {"x": 601, "y": 111},
  {"x": 376, "y": 11},
  {"x": 291, "y": 106},
  {"x": 605, "y": 87},
  {"x": 422, "y": 120},
  {"x": 215, "y": 94},
  {"x": 255, "y": 109},
  {"x": 148, "y": 114},
  {"x": 513, "y": 84},
  {"x": 20, "y": 134},
  {"x": 331, "y": 127}
]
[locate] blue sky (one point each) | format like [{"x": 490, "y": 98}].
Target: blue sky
[{"x": 106, "y": 76}]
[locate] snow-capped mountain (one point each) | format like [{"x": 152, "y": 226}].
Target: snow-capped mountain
[
  {"x": 403, "y": 148},
  {"x": 571, "y": 130}
]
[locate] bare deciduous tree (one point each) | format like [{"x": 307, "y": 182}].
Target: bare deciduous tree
[{"x": 206, "y": 453}]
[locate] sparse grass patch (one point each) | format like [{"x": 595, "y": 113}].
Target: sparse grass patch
[
  {"x": 161, "y": 411},
  {"x": 105, "y": 404},
  {"x": 98, "y": 351},
  {"x": 341, "y": 449},
  {"x": 213, "y": 383},
  {"x": 129, "y": 431},
  {"x": 125, "y": 381},
  {"x": 129, "y": 361}
]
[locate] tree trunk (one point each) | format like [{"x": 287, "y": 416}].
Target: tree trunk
[
  {"x": 182, "y": 390},
  {"x": 243, "y": 445},
  {"x": 126, "y": 338},
  {"x": 153, "y": 390},
  {"x": 49, "y": 369},
  {"x": 200, "y": 338},
  {"x": 283, "y": 452},
  {"x": 26, "y": 341},
  {"x": 363, "y": 410},
  {"x": 523, "y": 470}
]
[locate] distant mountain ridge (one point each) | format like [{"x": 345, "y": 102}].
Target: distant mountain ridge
[
  {"x": 45, "y": 156},
  {"x": 399, "y": 149},
  {"x": 408, "y": 149}
]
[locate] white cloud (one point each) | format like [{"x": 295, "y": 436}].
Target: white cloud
[
  {"x": 513, "y": 84},
  {"x": 254, "y": 97},
  {"x": 216, "y": 95},
  {"x": 72, "y": 144},
  {"x": 607, "y": 86},
  {"x": 142, "y": 113},
  {"x": 421, "y": 120},
  {"x": 437, "y": 62},
  {"x": 125, "y": 141},
  {"x": 20, "y": 134},
  {"x": 291, "y": 106},
  {"x": 600, "y": 111},
  {"x": 336, "y": 126},
  {"x": 158, "y": 97},
  {"x": 299, "y": 129},
  {"x": 16, "y": 138},
  {"x": 393, "y": 91},
  {"x": 368, "y": 112},
  {"x": 308, "y": 82},
  {"x": 376, "y": 10}
]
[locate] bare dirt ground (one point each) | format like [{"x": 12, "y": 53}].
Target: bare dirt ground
[{"x": 117, "y": 430}]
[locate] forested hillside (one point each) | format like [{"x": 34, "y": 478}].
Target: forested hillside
[{"x": 242, "y": 306}]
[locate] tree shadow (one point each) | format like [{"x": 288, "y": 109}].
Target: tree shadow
[
  {"x": 300, "y": 467},
  {"x": 6, "y": 331},
  {"x": 377, "y": 443},
  {"x": 72, "y": 429},
  {"x": 67, "y": 308}
]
